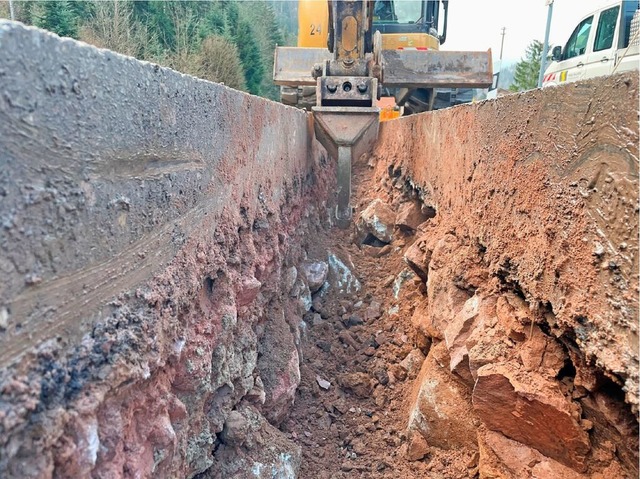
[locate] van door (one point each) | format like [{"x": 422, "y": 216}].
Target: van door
[
  {"x": 574, "y": 55},
  {"x": 601, "y": 59}
]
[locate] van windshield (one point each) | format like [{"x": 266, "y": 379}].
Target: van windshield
[{"x": 577, "y": 44}]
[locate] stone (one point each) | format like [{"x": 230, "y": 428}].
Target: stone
[
  {"x": 397, "y": 372},
  {"x": 352, "y": 320},
  {"x": 413, "y": 362},
  {"x": 257, "y": 394},
  {"x": 359, "y": 384},
  {"x": 235, "y": 430},
  {"x": 509, "y": 459},
  {"x": 440, "y": 408},
  {"x": 264, "y": 451},
  {"x": 347, "y": 338},
  {"x": 417, "y": 447},
  {"x": 528, "y": 408},
  {"x": 323, "y": 383},
  {"x": 373, "y": 311},
  {"x": 341, "y": 277},
  {"x": 247, "y": 291},
  {"x": 410, "y": 216},
  {"x": 316, "y": 274},
  {"x": 418, "y": 256},
  {"x": 378, "y": 220},
  {"x": 278, "y": 366}
]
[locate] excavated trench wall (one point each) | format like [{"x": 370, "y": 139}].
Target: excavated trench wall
[
  {"x": 531, "y": 275},
  {"x": 149, "y": 221}
]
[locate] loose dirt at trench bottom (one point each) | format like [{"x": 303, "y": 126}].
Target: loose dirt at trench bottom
[{"x": 357, "y": 428}]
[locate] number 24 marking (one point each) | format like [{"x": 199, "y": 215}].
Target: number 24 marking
[{"x": 316, "y": 29}]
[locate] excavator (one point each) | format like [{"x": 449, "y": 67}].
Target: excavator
[{"x": 351, "y": 53}]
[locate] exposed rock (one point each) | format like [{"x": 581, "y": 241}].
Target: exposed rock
[
  {"x": 251, "y": 447},
  {"x": 501, "y": 457},
  {"x": 417, "y": 257},
  {"x": 542, "y": 353},
  {"x": 410, "y": 216},
  {"x": 377, "y": 219},
  {"x": 316, "y": 273},
  {"x": 413, "y": 362},
  {"x": 614, "y": 424},
  {"x": 257, "y": 394},
  {"x": 421, "y": 320},
  {"x": 360, "y": 384},
  {"x": 279, "y": 368},
  {"x": 440, "y": 407},
  {"x": 530, "y": 409},
  {"x": 341, "y": 277},
  {"x": 323, "y": 383},
  {"x": 404, "y": 276},
  {"x": 417, "y": 447},
  {"x": 247, "y": 291},
  {"x": 457, "y": 333},
  {"x": 235, "y": 430},
  {"x": 289, "y": 276}
]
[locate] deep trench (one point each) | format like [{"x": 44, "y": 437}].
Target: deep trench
[{"x": 364, "y": 364}]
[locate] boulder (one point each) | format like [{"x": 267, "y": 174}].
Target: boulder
[
  {"x": 378, "y": 220},
  {"x": 410, "y": 216},
  {"x": 417, "y": 256},
  {"x": 316, "y": 273},
  {"x": 501, "y": 457},
  {"x": 440, "y": 407},
  {"x": 529, "y": 408}
]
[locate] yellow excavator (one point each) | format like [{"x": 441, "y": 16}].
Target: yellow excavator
[{"x": 351, "y": 53}]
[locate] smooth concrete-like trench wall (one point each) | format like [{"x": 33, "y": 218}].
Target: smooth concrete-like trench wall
[{"x": 146, "y": 218}]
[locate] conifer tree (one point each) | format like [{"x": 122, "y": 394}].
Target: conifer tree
[
  {"x": 527, "y": 69},
  {"x": 57, "y": 16}
]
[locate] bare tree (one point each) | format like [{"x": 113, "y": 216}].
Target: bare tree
[
  {"x": 219, "y": 61},
  {"x": 112, "y": 26}
]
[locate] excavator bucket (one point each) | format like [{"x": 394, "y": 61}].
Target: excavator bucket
[
  {"x": 402, "y": 68},
  {"x": 292, "y": 66},
  {"x": 436, "y": 69}
]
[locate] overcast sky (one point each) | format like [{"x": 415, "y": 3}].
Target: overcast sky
[{"x": 476, "y": 25}]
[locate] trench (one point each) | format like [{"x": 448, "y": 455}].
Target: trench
[
  {"x": 198, "y": 315},
  {"x": 378, "y": 394}
]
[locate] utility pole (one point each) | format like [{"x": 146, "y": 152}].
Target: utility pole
[
  {"x": 545, "y": 49},
  {"x": 502, "y": 32},
  {"x": 12, "y": 14}
]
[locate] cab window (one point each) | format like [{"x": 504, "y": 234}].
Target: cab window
[
  {"x": 606, "y": 29},
  {"x": 577, "y": 44},
  {"x": 404, "y": 12}
]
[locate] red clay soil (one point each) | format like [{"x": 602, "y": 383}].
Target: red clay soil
[{"x": 504, "y": 391}]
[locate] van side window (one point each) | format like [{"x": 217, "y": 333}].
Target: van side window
[
  {"x": 606, "y": 29},
  {"x": 577, "y": 44}
]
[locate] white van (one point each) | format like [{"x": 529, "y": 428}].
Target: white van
[{"x": 604, "y": 42}]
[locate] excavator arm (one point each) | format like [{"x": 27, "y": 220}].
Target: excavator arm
[{"x": 347, "y": 76}]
